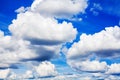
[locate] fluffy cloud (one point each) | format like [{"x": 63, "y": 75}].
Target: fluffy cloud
[
  {"x": 59, "y": 8},
  {"x": 12, "y": 51},
  {"x": 46, "y": 69},
  {"x": 34, "y": 37},
  {"x": 44, "y": 40},
  {"x": 4, "y": 73},
  {"x": 40, "y": 30},
  {"x": 21, "y": 9},
  {"x": 114, "y": 69},
  {"x": 104, "y": 44},
  {"x": 89, "y": 66},
  {"x": 93, "y": 66}
]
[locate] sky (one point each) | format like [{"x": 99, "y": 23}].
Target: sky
[{"x": 60, "y": 39}]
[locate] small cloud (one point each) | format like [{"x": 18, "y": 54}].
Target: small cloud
[
  {"x": 93, "y": 66},
  {"x": 46, "y": 69},
  {"x": 114, "y": 69},
  {"x": 21, "y": 9},
  {"x": 95, "y": 9},
  {"x": 28, "y": 75}
]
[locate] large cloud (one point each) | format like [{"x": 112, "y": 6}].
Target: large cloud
[
  {"x": 34, "y": 38},
  {"x": 104, "y": 44},
  {"x": 44, "y": 35},
  {"x": 59, "y": 8},
  {"x": 12, "y": 51},
  {"x": 41, "y": 30}
]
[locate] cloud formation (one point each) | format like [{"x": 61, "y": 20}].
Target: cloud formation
[
  {"x": 36, "y": 37},
  {"x": 46, "y": 69},
  {"x": 43, "y": 70},
  {"x": 104, "y": 44},
  {"x": 40, "y": 30},
  {"x": 12, "y": 51},
  {"x": 114, "y": 69},
  {"x": 59, "y": 8},
  {"x": 92, "y": 66},
  {"x": 44, "y": 40}
]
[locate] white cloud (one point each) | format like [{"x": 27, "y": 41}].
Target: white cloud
[
  {"x": 22, "y": 9},
  {"x": 34, "y": 37},
  {"x": 4, "y": 73},
  {"x": 13, "y": 50},
  {"x": 34, "y": 27},
  {"x": 93, "y": 66},
  {"x": 59, "y": 8},
  {"x": 114, "y": 69},
  {"x": 45, "y": 36},
  {"x": 46, "y": 69},
  {"x": 104, "y": 44},
  {"x": 89, "y": 66}
]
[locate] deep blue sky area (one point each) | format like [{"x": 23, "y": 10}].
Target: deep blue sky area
[
  {"x": 7, "y": 11},
  {"x": 108, "y": 16}
]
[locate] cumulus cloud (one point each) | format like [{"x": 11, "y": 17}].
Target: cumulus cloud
[
  {"x": 12, "y": 51},
  {"x": 46, "y": 69},
  {"x": 44, "y": 40},
  {"x": 93, "y": 66},
  {"x": 45, "y": 36},
  {"x": 114, "y": 69},
  {"x": 89, "y": 66},
  {"x": 104, "y": 44},
  {"x": 34, "y": 37},
  {"x": 40, "y": 30},
  {"x": 59, "y": 8}
]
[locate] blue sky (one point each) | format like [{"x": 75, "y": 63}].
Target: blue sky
[{"x": 79, "y": 39}]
